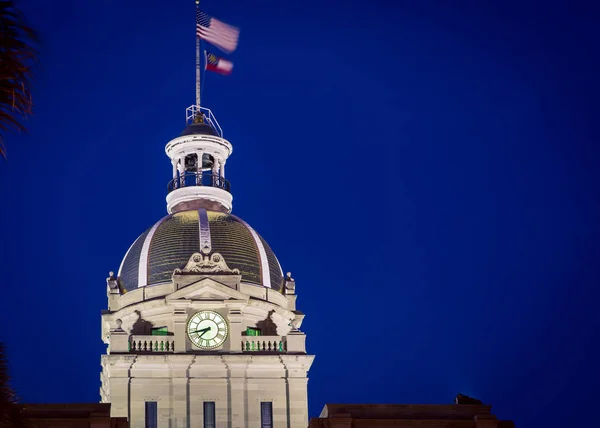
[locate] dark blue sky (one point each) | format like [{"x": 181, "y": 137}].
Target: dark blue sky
[{"x": 427, "y": 171}]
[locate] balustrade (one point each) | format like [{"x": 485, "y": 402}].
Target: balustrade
[
  {"x": 189, "y": 179},
  {"x": 264, "y": 344},
  {"x": 166, "y": 344},
  {"x": 151, "y": 344}
]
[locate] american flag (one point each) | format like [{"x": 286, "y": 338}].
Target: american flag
[{"x": 222, "y": 35}]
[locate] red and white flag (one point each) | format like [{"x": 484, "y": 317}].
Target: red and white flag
[
  {"x": 223, "y": 36},
  {"x": 217, "y": 64}
]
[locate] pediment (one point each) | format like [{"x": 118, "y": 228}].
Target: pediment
[{"x": 206, "y": 289}]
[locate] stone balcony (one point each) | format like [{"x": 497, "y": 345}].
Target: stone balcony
[
  {"x": 149, "y": 343},
  {"x": 272, "y": 344},
  {"x": 189, "y": 179},
  {"x": 121, "y": 342}
]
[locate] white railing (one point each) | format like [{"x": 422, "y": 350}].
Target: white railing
[
  {"x": 264, "y": 344},
  {"x": 151, "y": 344},
  {"x": 193, "y": 111}
]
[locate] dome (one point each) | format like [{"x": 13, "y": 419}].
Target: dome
[
  {"x": 199, "y": 128},
  {"x": 169, "y": 244}
]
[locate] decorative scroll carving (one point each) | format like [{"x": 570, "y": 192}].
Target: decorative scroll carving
[{"x": 213, "y": 263}]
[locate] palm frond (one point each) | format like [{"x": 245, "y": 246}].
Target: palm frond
[{"x": 17, "y": 59}]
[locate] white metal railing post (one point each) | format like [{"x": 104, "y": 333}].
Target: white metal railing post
[{"x": 193, "y": 111}]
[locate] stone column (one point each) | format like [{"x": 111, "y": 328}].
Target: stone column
[
  {"x": 117, "y": 369},
  {"x": 119, "y": 397},
  {"x": 181, "y": 171},
  {"x": 235, "y": 330},
  {"x": 236, "y": 365},
  {"x": 179, "y": 322},
  {"x": 179, "y": 410},
  {"x": 215, "y": 173},
  {"x": 199, "y": 161},
  {"x": 180, "y": 365},
  {"x": 298, "y": 401},
  {"x": 297, "y": 367}
]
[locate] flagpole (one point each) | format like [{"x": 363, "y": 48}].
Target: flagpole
[{"x": 197, "y": 60}]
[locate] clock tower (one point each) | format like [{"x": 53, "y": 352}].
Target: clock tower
[{"x": 201, "y": 327}]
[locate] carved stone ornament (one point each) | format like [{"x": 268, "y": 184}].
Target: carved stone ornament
[{"x": 213, "y": 263}]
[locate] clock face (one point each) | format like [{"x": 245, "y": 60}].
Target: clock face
[{"x": 207, "y": 329}]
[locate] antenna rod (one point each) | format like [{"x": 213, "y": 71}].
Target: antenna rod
[{"x": 197, "y": 56}]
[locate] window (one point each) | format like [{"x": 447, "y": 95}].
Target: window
[
  {"x": 160, "y": 331},
  {"x": 151, "y": 414},
  {"x": 266, "y": 414},
  {"x": 252, "y": 331},
  {"x": 209, "y": 414}
]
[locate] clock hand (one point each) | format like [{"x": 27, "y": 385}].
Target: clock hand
[{"x": 204, "y": 330}]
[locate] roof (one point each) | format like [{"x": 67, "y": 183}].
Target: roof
[
  {"x": 169, "y": 244},
  {"x": 388, "y": 415},
  {"x": 71, "y": 415},
  {"x": 199, "y": 129}
]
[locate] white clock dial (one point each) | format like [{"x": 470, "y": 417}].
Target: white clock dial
[{"x": 207, "y": 329}]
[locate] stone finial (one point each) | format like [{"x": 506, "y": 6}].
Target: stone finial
[
  {"x": 119, "y": 339},
  {"x": 111, "y": 281},
  {"x": 118, "y": 328},
  {"x": 290, "y": 284}
]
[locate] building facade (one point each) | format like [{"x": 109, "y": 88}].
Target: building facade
[
  {"x": 72, "y": 415},
  {"x": 201, "y": 327},
  {"x": 408, "y": 416}
]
